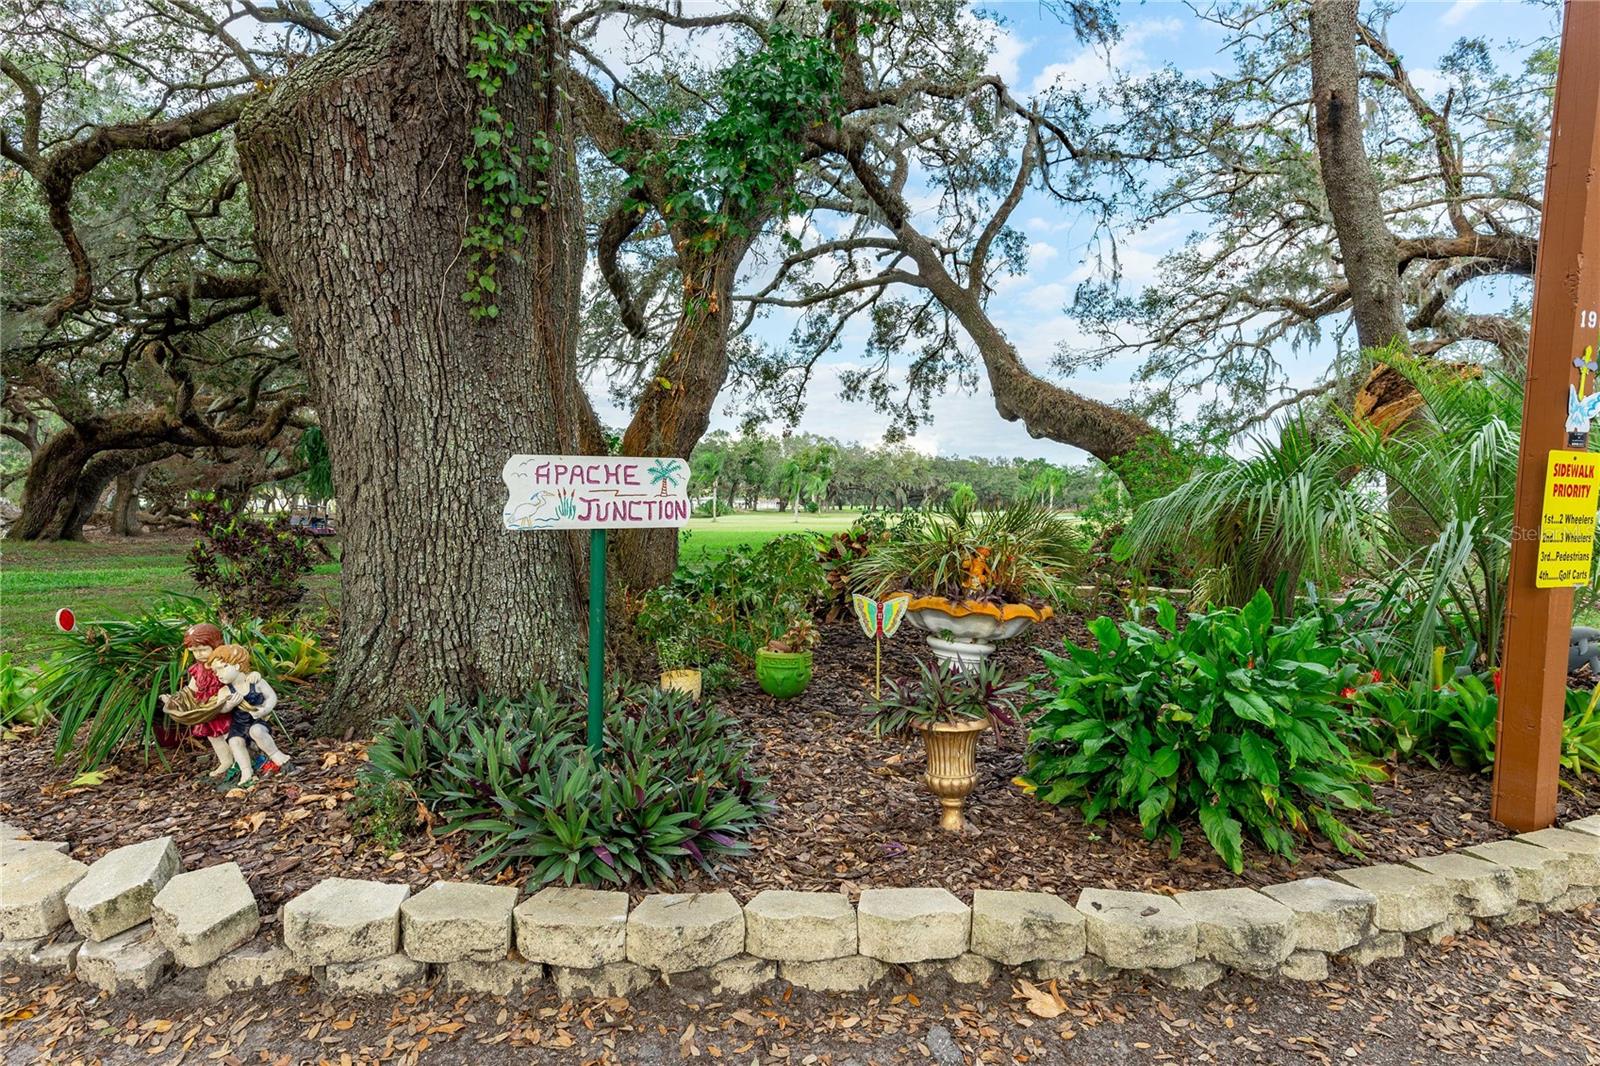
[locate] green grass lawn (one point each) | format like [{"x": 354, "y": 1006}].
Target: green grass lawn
[
  {"x": 97, "y": 578},
  {"x": 702, "y": 535}
]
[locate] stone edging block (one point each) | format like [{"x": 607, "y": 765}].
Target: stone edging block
[
  {"x": 115, "y": 895},
  {"x": 1017, "y": 927},
  {"x": 1240, "y": 928},
  {"x": 674, "y": 932},
  {"x": 1409, "y": 900},
  {"x": 801, "y": 926},
  {"x": 575, "y": 928},
  {"x": 1138, "y": 930},
  {"x": 340, "y": 920},
  {"x": 451, "y": 922},
  {"x": 369, "y": 937},
  {"x": 912, "y": 924}
]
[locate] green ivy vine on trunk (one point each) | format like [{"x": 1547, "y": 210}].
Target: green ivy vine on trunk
[{"x": 504, "y": 166}]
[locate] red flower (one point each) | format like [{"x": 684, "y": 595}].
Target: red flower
[
  {"x": 1348, "y": 693},
  {"x": 1497, "y": 682},
  {"x": 1377, "y": 676}
]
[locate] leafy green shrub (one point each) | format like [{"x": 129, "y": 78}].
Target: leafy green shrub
[
  {"x": 1466, "y": 712},
  {"x": 252, "y": 567},
  {"x": 725, "y": 609},
  {"x": 19, "y": 698},
  {"x": 839, "y": 554},
  {"x": 1580, "y": 732},
  {"x": 1230, "y": 718},
  {"x": 384, "y": 808},
  {"x": 1393, "y": 721},
  {"x": 671, "y": 786},
  {"x": 105, "y": 679}
]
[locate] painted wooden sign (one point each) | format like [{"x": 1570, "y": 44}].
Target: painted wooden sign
[
  {"x": 1566, "y": 529},
  {"x": 595, "y": 492}
]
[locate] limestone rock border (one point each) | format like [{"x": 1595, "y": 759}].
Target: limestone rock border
[{"x": 348, "y": 934}]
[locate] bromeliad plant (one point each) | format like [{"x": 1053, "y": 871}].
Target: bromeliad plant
[
  {"x": 1229, "y": 718},
  {"x": 670, "y": 787},
  {"x": 942, "y": 695},
  {"x": 949, "y": 707},
  {"x": 1026, "y": 553}
]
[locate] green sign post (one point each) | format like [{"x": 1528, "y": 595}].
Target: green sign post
[
  {"x": 595, "y": 492},
  {"x": 597, "y": 636}
]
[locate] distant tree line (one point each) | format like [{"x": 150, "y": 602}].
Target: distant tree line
[{"x": 816, "y": 473}]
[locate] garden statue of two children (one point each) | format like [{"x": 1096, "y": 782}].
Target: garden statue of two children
[{"x": 227, "y": 703}]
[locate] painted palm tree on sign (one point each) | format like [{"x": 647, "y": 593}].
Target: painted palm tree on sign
[{"x": 664, "y": 472}]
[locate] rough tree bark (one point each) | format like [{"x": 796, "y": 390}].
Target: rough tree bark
[
  {"x": 674, "y": 410},
  {"x": 125, "y": 503},
  {"x": 51, "y": 497},
  {"x": 355, "y": 168},
  {"x": 1371, "y": 260},
  {"x": 70, "y": 471},
  {"x": 673, "y": 416}
]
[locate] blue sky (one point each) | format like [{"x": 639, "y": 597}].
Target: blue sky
[{"x": 1034, "y": 49}]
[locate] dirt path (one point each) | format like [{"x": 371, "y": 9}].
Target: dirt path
[{"x": 1531, "y": 994}]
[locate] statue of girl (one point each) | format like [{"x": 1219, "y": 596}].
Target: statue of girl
[
  {"x": 199, "y": 704},
  {"x": 250, "y": 700}
]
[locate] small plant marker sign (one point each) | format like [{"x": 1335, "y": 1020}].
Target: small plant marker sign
[{"x": 597, "y": 493}]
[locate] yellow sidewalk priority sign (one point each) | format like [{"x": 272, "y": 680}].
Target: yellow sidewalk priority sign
[{"x": 1566, "y": 529}]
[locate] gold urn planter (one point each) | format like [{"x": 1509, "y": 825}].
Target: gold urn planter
[{"x": 952, "y": 765}]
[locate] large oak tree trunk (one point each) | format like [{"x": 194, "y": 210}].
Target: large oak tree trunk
[
  {"x": 675, "y": 409},
  {"x": 1365, "y": 243},
  {"x": 125, "y": 503},
  {"x": 356, "y": 175},
  {"x": 53, "y": 504}
]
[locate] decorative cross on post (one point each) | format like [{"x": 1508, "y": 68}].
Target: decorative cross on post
[{"x": 595, "y": 492}]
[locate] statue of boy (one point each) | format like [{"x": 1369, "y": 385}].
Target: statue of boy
[
  {"x": 200, "y": 702},
  {"x": 250, "y": 700}
]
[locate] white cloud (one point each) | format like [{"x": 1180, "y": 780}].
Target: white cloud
[
  {"x": 1430, "y": 81},
  {"x": 1040, "y": 224},
  {"x": 1040, "y": 253},
  {"x": 1048, "y": 297},
  {"x": 1006, "y": 48},
  {"x": 1091, "y": 67},
  {"x": 1458, "y": 12}
]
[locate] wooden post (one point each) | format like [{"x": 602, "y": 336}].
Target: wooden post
[{"x": 1566, "y": 286}]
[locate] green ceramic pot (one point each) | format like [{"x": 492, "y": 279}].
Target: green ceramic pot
[{"x": 783, "y": 674}]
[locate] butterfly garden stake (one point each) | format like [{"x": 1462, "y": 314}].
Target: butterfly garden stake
[{"x": 879, "y": 619}]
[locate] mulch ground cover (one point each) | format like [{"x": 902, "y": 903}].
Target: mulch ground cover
[{"x": 851, "y": 810}]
